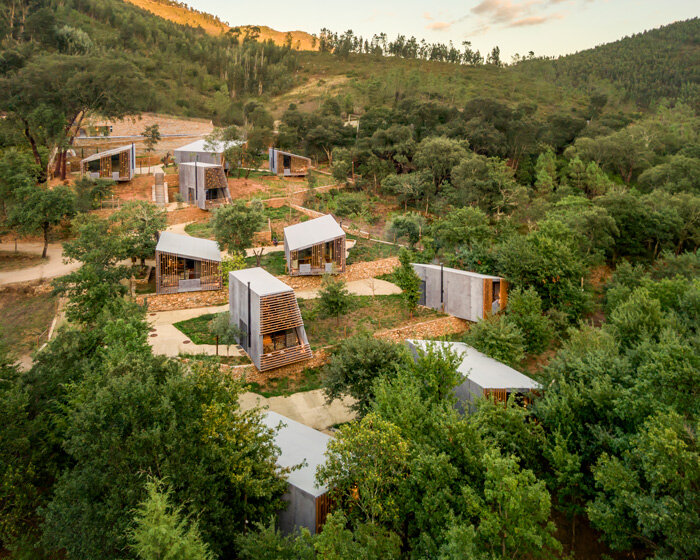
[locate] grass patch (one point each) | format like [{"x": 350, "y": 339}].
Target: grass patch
[
  {"x": 200, "y": 229},
  {"x": 368, "y": 314},
  {"x": 309, "y": 380},
  {"x": 197, "y": 329},
  {"x": 227, "y": 360},
  {"x": 25, "y": 320},
  {"x": 274, "y": 263},
  {"x": 365, "y": 251},
  {"x": 9, "y": 260}
]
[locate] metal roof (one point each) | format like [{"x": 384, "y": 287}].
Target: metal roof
[
  {"x": 215, "y": 147},
  {"x": 457, "y": 271},
  {"x": 199, "y": 164},
  {"x": 261, "y": 281},
  {"x": 188, "y": 246},
  {"x": 482, "y": 370},
  {"x": 298, "y": 444},
  {"x": 290, "y": 154},
  {"x": 106, "y": 153},
  {"x": 309, "y": 233}
]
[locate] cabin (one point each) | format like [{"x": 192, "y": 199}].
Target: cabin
[
  {"x": 467, "y": 295},
  {"x": 266, "y": 311},
  {"x": 308, "y": 504},
  {"x": 203, "y": 151},
  {"x": 288, "y": 164},
  {"x": 315, "y": 247},
  {"x": 187, "y": 264},
  {"x": 204, "y": 185},
  {"x": 118, "y": 164},
  {"x": 483, "y": 376}
]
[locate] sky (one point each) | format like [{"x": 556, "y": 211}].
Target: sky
[{"x": 546, "y": 27}]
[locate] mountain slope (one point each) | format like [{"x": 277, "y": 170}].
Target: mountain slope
[{"x": 183, "y": 14}]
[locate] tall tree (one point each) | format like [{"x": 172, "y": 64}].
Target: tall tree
[{"x": 235, "y": 224}]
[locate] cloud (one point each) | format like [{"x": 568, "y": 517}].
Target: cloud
[
  {"x": 534, "y": 20},
  {"x": 439, "y": 25},
  {"x": 515, "y": 13},
  {"x": 426, "y": 15}
]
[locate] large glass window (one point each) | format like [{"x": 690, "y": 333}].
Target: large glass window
[{"x": 279, "y": 340}]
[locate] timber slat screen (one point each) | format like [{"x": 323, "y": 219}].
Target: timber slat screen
[
  {"x": 498, "y": 395},
  {"x": 279, "y": 312},
  {"x": 124, "y": 165},
  {"x": 323, "y": 508},
  {"x": 168, "y": 274},
  {"x": 106, "y": 167},
  {"x": 283, "y": 357},
  {"x": 318, "y": 261}
]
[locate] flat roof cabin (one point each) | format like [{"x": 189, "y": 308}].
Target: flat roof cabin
[
  {"x": 204, "y": 184},
  {"x": 187, "y": 264},
  {"x": 483, "y": 376},
  {"x": 315, "y": 247},
  {"x": 266, "y": 311},
  {"x": 118, "y": 164},
  {"x": 288, "y": 164},
  {"x": 467, "y": 295},
  {"x": 203, "y": 151},
  {"x": 307, "y": 503}
]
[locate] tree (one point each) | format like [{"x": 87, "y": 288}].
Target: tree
[
  {"x": 162, "y": 531},
  {"x": 225, "y": 332},
  {"x": 50, "y": 95},
  {"x": 513, "y": 512},
  {"x": 366, "y": 464},
  {"x": 498, "y": 339},
  {"x": 409, "y": 282},
  {"x": 265, "y": 542},
  {"x": 140, "y": 224},
  {"x": 362, "y": 540},
  {"x": 41, "y": 209},
  {"x": 334, "y": 299},
  {"x": 151, "y": 137},
  {"x": 440, "y": 155},
  {"x": 235, "y": 224},
  {"x": 461, "y": 227},
  {"x": 231, "y": 263},
  {"x": 524, "y": 310},
  {"x": 356, "y": 365},
  {"x": 407, "y": 226}
]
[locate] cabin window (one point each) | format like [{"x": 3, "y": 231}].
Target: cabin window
[{"x": 279, "y": 340}]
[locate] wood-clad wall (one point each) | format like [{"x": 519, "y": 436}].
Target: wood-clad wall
[
  {"x": 323, "y": 508},
  {"x": 168, "y": 279},
  {"x": 279, "y": 312}
]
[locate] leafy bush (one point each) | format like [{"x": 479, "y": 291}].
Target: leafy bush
[{"x": 498, "y": 339}]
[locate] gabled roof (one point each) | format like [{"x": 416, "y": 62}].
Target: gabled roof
[
  {"x": 309, "y": 233},
  {"x": 482, "y": 370},
  {"x": 299, "y": 443},
  {"x": 215, "y": 147},
  {"x": 290, "y": 154},
  {"x": 261, "y": 281},
  {"x": 187, "y": 246},
  {"x": 107, "y": 153},
  {"x": 456, "y": 271},
  {"x": 199, "y": 164}
]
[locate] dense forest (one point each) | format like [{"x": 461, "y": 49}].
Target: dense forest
[{"x": 578, "y": 181}]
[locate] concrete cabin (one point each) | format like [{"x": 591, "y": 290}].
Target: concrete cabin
[
  {"x": 308, "y": 504},
  {"x": 204, "y": 184},
  {"x": 187, "y": 264},
  {"x": 467, "y": 295},
  {"x": 287, "y": 164},
  {"x": 315, "y": 247},
  {"x": 483, "y": 376},
  {"x": 204, "y": 152},
  {"x": 266, "y": 311},
  {"x": 118, "y": 164}
]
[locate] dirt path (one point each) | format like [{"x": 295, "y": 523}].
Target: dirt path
[{"x": 53, "y": 267}]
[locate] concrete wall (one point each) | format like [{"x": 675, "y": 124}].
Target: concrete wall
[
  {"x": 300, "y": 512},
  {"x": 462, "y": 296},
  {"x": 238, "y": 309},
  {"x": 201, "y": 157}
]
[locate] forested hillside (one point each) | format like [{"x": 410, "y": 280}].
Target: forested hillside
[{"x": 577, "y": 181}]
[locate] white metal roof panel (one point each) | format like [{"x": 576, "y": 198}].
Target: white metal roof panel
[
  {"x": 106, "y": 153},
  {"x": 188, "y": 246},
  {"x": 482, "y": 370},
  {"x": 299, "y": 443},
  {"x": 261, "y": 281},
  {"x": 457, "y": 271},
  {"x": 309, "y": 233},
  {"x": 202, "y": 145},
  {"x": 199, "y": 164}
]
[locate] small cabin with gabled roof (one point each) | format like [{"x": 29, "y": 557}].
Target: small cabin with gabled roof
[
  {"x": 117, "y": 164},
  {"x": 308, "y": 503},
  {"x": 204, "y": 151},
  {"x": 187, "y": 264},
  {"x": 482, "y": 376},
  {"x": 467, "y": 295},
  {"x": 266, "y": 311},
  {"x": 204, "y": 185},
  {"x": 288, "y": 164},
  {"x": 315, "y": 247}
]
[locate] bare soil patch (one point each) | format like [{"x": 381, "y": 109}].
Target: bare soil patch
[
  {"x": 27, "y": 312},
  {"x": 9, "y": 260}
]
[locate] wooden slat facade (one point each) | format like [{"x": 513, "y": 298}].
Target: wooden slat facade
[
  {"x": 323, "y": 508},
  {"x": 279, "y": 312},
  {"x": 168, "y": 275},
  {"x": 498, "y": 395},
  {"x": 318, "y": 266},
  {"x": 281, "y": 358}
]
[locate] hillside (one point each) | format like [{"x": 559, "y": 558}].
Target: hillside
[{"x": 183, "y": 14}]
